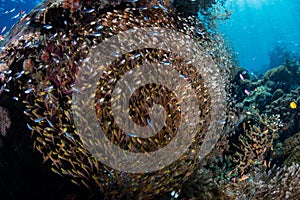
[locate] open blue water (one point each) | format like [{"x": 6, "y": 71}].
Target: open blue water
[
  {"x": 255, "y": 29},
  {"x": 11, "y": 10}
]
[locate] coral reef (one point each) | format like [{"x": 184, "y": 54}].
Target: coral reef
[
  {"x": 42, "y": 65},
  {"x": 288, "y": 151},
  {"x": 272, "y": 94},
  {"x": 241, "y": 167},
  {"x": 257, "y": 156},
  {"x": 260, "y": 99},
  {"x": 278, "y": 183},
  {"x": 273, "y": 172},
  {"x": 254, "y": 143}
]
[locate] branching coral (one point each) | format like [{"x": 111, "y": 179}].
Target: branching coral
[
  {"x": 277, "y": 183},
  {"x": 249, "y": 176},
  {"x": 255, "y": 141},
  {"x": 284, "y": 185}
]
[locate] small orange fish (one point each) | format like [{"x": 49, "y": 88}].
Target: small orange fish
[
  {"x": 2, "y": 38},
  {"x": 244, "y": 177}
]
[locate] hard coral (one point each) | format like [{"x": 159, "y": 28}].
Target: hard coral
[
  {"x": 280, "y": 73},
  {"x": 254, "y": 141},
  {"x": 258, "y": 98},
  {"x": 283, "y": 183},
  {"x": 290, "y": 144},
  {"x": 294, "y": 157},
  {"x": 290, "y": 117}
]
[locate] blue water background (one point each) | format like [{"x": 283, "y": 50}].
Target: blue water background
[
  {"x": 8, "y": 18},
  {"x": 256, "y": 27}
]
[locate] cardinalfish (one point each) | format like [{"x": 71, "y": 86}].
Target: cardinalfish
[
  {"x": 9, "y": 11},
  {"x": 16, "y": 16},
  {"x": 20, "y": 14},
  {"x": 132, "y": 134}
]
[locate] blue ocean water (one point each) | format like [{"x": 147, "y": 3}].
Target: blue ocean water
[
  {"x": 255, "y": 29},
  {"x": 258, "y": 27},
  {"x": 12, "y": 10}
]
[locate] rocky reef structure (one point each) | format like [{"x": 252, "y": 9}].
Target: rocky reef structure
[
  {"x": 290, "y": 150},
  {"x": 273, "y": 93},
  {"x": 260, "y": 157}
]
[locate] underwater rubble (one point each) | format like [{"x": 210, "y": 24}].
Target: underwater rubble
[{"x": 257, "y": 156}]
